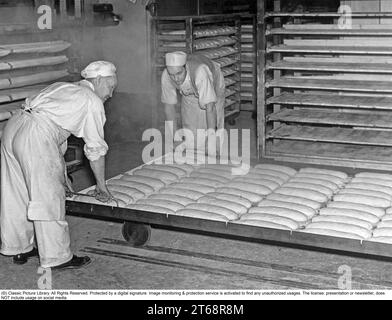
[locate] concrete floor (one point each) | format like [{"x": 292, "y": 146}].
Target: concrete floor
[{"x": 179, "y": 260}]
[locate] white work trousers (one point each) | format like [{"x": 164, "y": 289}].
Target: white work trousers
[{"x": 32, "y": 189}]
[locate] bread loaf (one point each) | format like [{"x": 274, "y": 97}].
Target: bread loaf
[
  {"x": 131, "y": 192},
  {"x": 287, "y": 222},
  {"x": 229, "y": 214},
  {"x": 374, "y": 175},
  {"x": 150, "y": 208},
  {"x": 156, "y": 184},
  {"x": 363, "y": 199},
  {"x": 332, "y": 233},
  {"x": 231, "y": 197},
  {"x": 261, "y": 182},
  {"x": 380, "y": 182},
  {"x": 328, "y": 184},
  {"x": 338, "y": 174},
  {"x": 201, "y": 215},
  {"x": 184, "y": 201},
  {"x": 194, "y": 195},
  {"x": 381, "y": 239},
  {"x": 385, "y": 224},
  {"x": 387, "y": 217},
  {"x": 214, "y": 177},
  {"x": 357, "y": 206},
  {"x": 287, "y": 170},
  {"x": 233, "y": 206},
  {"x": 303, "y": 193},
  {"x": 341, "y": 227},
  {"x": 298, "y": 200},
  {"x": 183, "y": 166},
  {"x": 382, "y": 232},
  {"x": 222, "y": 167},
  {"x": 250, "y": 187},
  {"x": 350, "y": 213},
  {"x": 343, "y": 219},
  {"x": 220, "y": 173},
  {"x": 250, "y": 196},
  {"x": 370, "y": 193},
  {"x": 308, "y": 211},
  {"x": 278, "y": 211},
  {"x": 263, "y": 224},
  {"x": 370, "y": 186},
  {"x": 127, "y": 199},
  {"x": 193, "y": 186},
  {"x": 174, "y": 206},
  {"x": 166, "y": 177},
  {"x": 146, "y": 189},
  {"x": 202, "y": 181},
  {"x": 310, "y": 186},
  {"x": 171, "y": 169},
  {"x": 257, "y": 177},
  {"x": 334, "y": 179},
  {"x": 274, "y": 173}
]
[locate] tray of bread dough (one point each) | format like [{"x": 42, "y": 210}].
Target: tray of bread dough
[
  {"x": 225, "y": 61},
  {"x": 229, "y": 81},
  {"x": 229, "y": 92},
  {"x": 228, "y": 71},
  {"x": 306, "y": 202},
  {"x": 361, "y": 210},
  {"x": 203, "y": 32},
  {"x": 214, "y": 31},
  {"x": 215, "y": 42},
  {"x": 218, "y": 52}
]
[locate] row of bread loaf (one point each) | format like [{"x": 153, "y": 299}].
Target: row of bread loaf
[
  {"x": 201, "y": 44},
  {"x": 359, "y": 209},
  {"x": 298, "y": 198},
  {"x": 214, "y": 31},
  {"x": 218, "y": 52}
]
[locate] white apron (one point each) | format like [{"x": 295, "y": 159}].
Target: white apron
[
  {"x": 32, "y": 188},
  {"x": 193, "y": 117}
]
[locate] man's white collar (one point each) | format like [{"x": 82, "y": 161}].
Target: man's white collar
[{"x": 87, "y": 84}]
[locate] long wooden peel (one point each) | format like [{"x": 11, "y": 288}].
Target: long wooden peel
[
  {"x": 29, "y": 63},
  {"x": 32, "y": 79}
]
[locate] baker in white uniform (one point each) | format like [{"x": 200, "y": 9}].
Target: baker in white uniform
[
  {"x": 201, "y": 84},
  {"x": 33, "y": 168}
]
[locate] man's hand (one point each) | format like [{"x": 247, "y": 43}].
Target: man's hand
[
  {"x": 68, "y": 187},
  {"x": 103, "y": 194},
  {"x": 212, "y": 144}
]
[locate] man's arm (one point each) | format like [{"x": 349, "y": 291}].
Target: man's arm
[
  {"x": 171, "y": 115},
  {"x": 98, "y": 168},
  {"x": 211, "y": 115},
  {"x": 207, "y": 95}
]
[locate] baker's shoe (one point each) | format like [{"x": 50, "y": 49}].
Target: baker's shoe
[
  {"x": 22, "y": 258},
  {"x": 75, "y": 263}
]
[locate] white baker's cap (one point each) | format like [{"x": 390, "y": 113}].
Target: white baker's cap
[
  {"x": 99, "y": 68},
  {"x": 175, "y": 59}
]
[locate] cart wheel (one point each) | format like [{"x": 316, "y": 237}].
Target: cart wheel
[
  {"x": 232, "y": 122},
  {"x": 136, "y": 234}
]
